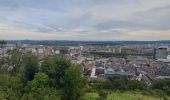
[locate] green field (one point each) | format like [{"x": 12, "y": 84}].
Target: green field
[{"x": 123, "y": 96}]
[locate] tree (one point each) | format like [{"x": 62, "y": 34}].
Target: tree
[
  {"x": 133, "y": 84},
  {"x": 24, "y": 65},
  {"x": 119, "y": 84},
  {"x": 31, "y": 66},
  {"x": 55, "y": 67},
  {"x": 38, "y": 89},
  {"x": 40, "y": 80},
  {"x": 10, "y": 87},
  {"x": 163, "y": 85},
  {"x": 2, "y": 43},
  {"x": 73, "y": 83},
  {"x": 15, "y": 61}
]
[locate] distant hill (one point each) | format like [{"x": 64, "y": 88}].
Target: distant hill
[{"x": 75, "y": 43}]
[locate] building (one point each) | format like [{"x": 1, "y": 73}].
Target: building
[
  {"x": 111, "y": 74},
  {"x": 1, "y": 50},
  {"x": 57, "y": 51},
  {"x": 40, "y": 50},
  {"x": 161, "y": 53},
  {"x": 154, "y": 53},
  {"x": 100, "y": 70},
  {"x": 162, "y": 77}
]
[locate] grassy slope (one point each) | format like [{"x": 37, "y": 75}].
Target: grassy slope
[{"x": 122, "y": 96}]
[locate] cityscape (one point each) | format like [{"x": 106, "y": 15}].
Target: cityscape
[
  {"x": 145, "y": 62},
  {"x": 84, "y": 49}
]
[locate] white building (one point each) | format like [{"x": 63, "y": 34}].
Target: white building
[
  {"x": 57, "y": 52},
  {"x": 40, "y": 50},
  {"x": 34, "y": 50}
]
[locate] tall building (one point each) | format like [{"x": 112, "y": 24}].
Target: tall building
[
  {"x": 154, "y": 53},
  {"x": 161, "y": 53},
  {"x": 18, "y": 44}
]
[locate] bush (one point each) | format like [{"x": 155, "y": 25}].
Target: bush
[
  {"x": 163, "y": 85},
  {"x": 118, "y": 84}
]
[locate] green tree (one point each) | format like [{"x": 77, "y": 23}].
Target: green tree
[
  {"x": 2, "y": 44},
  {"x": 31, "y": 66},
  {"x": 40, "y": 80},
  {"x": 120, "y": 84},
  {"x": 133, "y": 84},
  {"x": 38, "y": 89},
  {"x": 15, "y": 61},
  {"x": 10, "y": 87},
  {"x": 24, "y": 65},
  {"x": 54, "y": 67},
  {"x": 73, "y": 82},
  {"x": 163, "y": 85}
]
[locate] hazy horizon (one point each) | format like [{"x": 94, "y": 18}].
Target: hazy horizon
[{"x": 85, "y": 20}]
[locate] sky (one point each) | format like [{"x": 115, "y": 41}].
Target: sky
[{"x": 108, "y": 20}]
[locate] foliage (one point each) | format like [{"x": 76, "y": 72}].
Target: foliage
[
  {"x": 122, "y": 96},
  {"x": 73, "y": 83},
  {"x": 118, "y": 84},
  {"x": 24, "y": 65},
  {"x": 10, "y": 87},
  {"x": 38, "y": 89},
  {"x": 2, "y": 43},
  {"x": 133, "y": 85},
  {"x": 91, "y": 96},
  {"x": 40, "y": 80},
  {"x": 122, "y": 55},
  {"x": 15, "y": 61},
  {"x": 103, "y": 95},
  {"x": 163, "y": 85},
  {"x": 42, "y": 94},
  {"x": 54, "y": 67},
  {"x": 31, "y": 65},
  {"x": 130, "y": 96}
]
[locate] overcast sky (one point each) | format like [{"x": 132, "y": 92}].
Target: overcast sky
[{"x": 85, "y": 19}]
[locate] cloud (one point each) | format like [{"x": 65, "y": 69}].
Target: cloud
[
  {"x": 85, "y": 19},
  {"x": 157, "y": 18}
]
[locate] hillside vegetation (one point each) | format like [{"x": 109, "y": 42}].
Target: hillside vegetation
[{"x": 123, "y": 96}]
